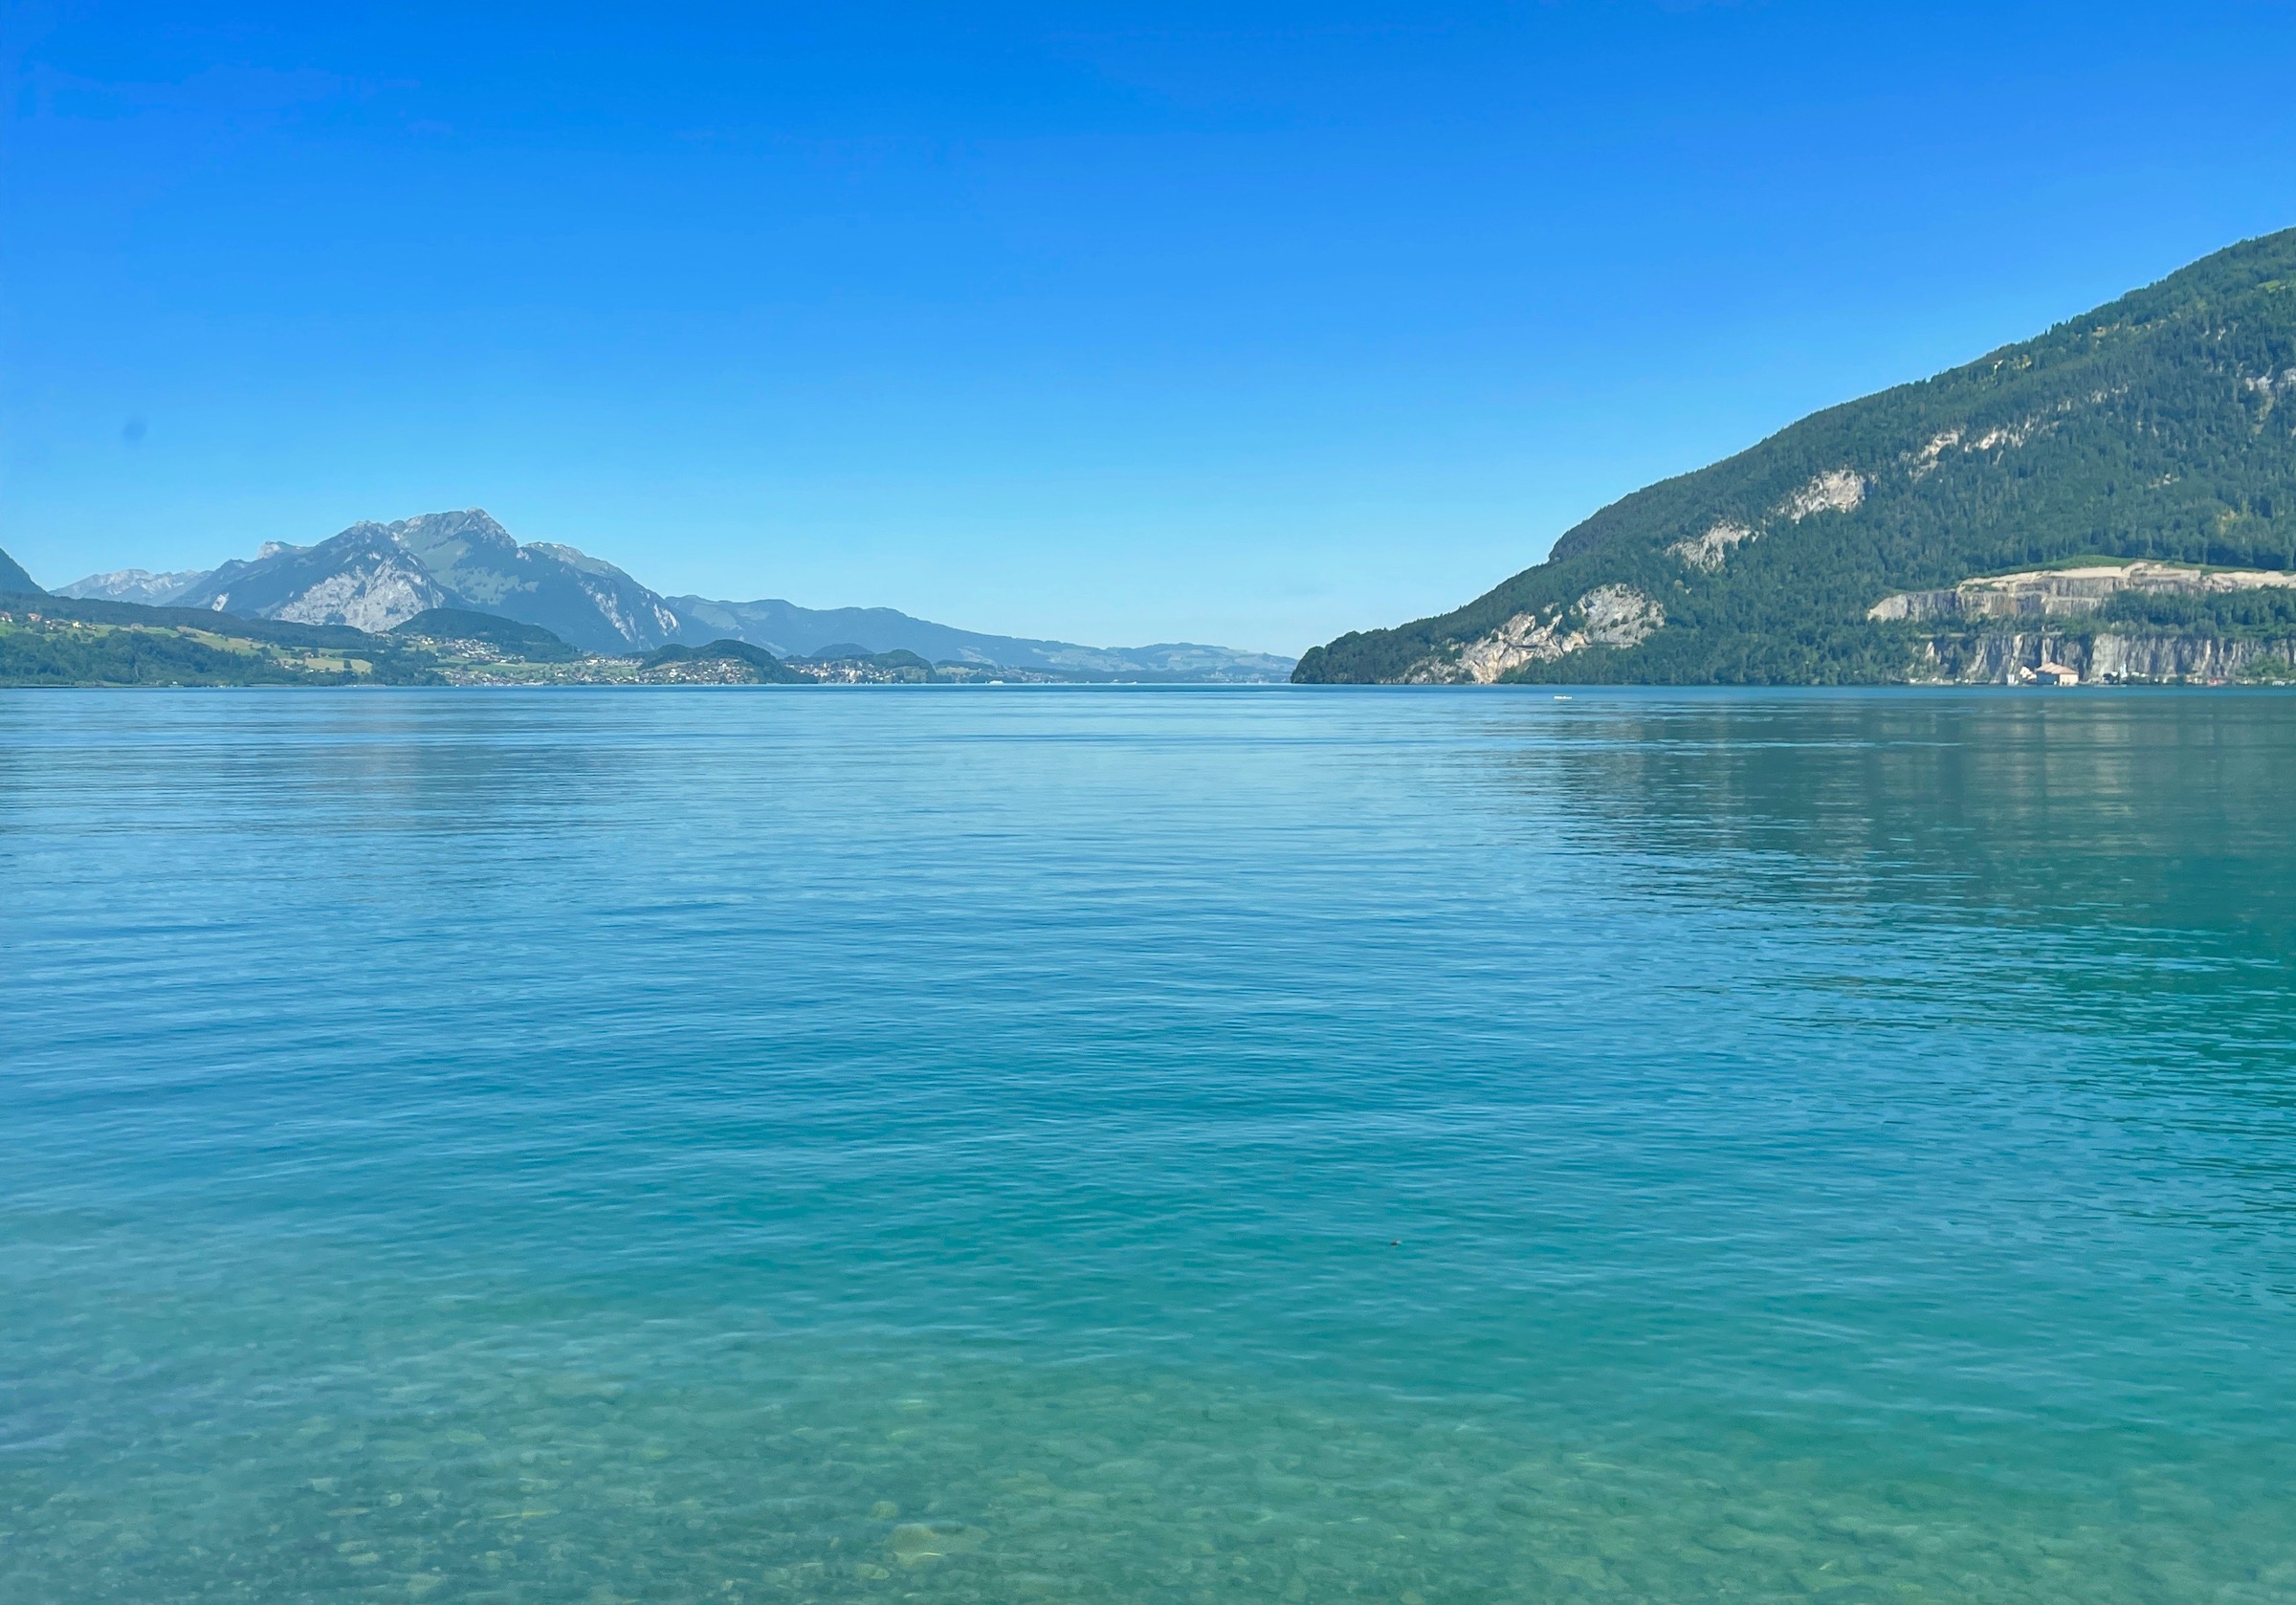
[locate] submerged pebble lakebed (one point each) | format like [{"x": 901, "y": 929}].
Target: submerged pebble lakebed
[{"x": 1147, "y": 1145}]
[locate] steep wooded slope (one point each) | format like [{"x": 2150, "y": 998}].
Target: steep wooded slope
[
  {"x": 2161, "y": 425},
  {"x": 13, "y": 581}
]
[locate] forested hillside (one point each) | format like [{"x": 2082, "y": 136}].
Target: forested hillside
[
  {"x": 13, "y": 581},
  {"x": 2162, "y": 426},
  {"x": 64, "y": 641}
]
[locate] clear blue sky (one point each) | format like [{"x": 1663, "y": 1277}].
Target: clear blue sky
[{"x": 1247, "y": 323}]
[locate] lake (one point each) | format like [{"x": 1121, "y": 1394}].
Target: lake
[{"x": 1134, "y": 1144}]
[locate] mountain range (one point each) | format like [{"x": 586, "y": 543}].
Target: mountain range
[
  {"x": 2113, "y": 499},
  {"x": 374, "y": 577},
  {"x": 2157, "y": 432}
]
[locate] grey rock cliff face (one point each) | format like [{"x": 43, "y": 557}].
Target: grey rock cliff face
[
  {"x": 1997, "y": 657},
  {"x": 361, "y": 578},
  {"x": 2042, "y": 614}
]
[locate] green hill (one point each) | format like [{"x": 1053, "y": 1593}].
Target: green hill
[
  {"x": 2160, "y": 427},
  {"x": 726, "y": 662},
  {"x": 64, "y": 641},
  {"x": 13, "y": 581},
  {"x": 531, "y": 643}
]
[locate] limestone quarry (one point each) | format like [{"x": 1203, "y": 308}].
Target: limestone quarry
[
  {"x": 1992, "y": 655},
  {"x": 2057, "y": 593}
]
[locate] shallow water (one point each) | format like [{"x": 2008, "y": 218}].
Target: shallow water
[{"x": 1141, "y": 1145}]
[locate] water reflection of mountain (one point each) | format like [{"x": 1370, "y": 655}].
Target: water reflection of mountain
[
  {"x": 2087, "y": 899},
  {"x": 2145, "y": 813}
]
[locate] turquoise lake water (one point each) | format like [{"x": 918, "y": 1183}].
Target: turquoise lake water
[{"x": 1144, "y": 1145}]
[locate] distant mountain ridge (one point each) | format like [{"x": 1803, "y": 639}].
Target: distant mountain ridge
[
  {"x": 375, "y": 577},
  {"x": 792, "y": 631},
  {"x": 2160, "y": 427},
  {"x": 135, "y": 584}
]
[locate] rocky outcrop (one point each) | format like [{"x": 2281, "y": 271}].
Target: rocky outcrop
[
  {"x": 1525, "y": 638},
  {"x": 1838, "y": 490},
  {"x": 1607, "y": 616},
  {"x": 1707, "y": 551},
  {"x": 1619, "y": 616}
]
